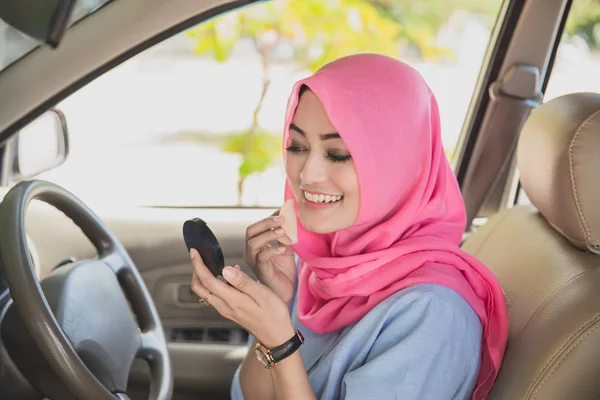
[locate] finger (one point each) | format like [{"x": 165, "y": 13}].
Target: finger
[
  {"x": 262, "y": 241},
  {"x": 289, "y": 270},
  {"x": 203, "y": 292},
  {"x": 244, "y": 284},
  {"x": 230, "y": 295},
  {"x": 272, "y": 222},
  {"x": 264, "y": 256}
]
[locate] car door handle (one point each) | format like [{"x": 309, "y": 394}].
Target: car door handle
[
  {"x": 185, "y": 295},
  {"x": 178, "y": 293}
]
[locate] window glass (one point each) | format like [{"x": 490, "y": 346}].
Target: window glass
[
  {"x": 578, "y": 57},
  {"x": 196, "y": 120}
]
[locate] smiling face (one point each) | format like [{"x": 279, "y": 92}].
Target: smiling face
[{"x": 321, "y": 170}]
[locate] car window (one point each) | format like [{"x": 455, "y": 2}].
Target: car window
[
  {"x": 196, "y": 120},
  {"x": 14, "y": 44},
  {"x": 577, "y": 59}
]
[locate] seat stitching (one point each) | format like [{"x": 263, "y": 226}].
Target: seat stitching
[
  {"x": 558, "y": 360},
  {"x": 572, "y": 174},
  {"x": 556, "y": 354},
  {"x": 577, "y": 343},
  {"x": 547, "y": 299}
]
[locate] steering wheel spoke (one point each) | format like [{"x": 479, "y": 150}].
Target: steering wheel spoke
[
  {"x": 150, "y": 345},
  {"x": 115, "y": 261}
]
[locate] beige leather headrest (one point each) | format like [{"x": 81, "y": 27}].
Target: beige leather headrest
[{"x": 559, "y": 161}]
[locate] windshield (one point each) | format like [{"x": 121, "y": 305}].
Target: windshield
[{"x": 14, "y": 44}]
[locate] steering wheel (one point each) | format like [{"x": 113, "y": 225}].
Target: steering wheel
[{"x": 87, "y": 321}]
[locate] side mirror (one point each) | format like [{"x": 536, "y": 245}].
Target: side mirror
[{"x": 39, "y": 146}]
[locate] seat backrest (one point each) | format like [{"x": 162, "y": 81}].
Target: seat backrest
[{"x": 546, "y": 256}]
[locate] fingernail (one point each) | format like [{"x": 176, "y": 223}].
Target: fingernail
[
  {"x": 277, "y": 218},
  {"x": 238, "y": 267},
  {"x": 229, "y": 273},
  {"x": 279, "y": 231},
  {"x": 192, "y": 253},
  {"x": 280, "y": 249}
]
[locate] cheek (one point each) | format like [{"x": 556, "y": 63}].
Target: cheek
[
  {"x": 293, "y": 167},
  {"x": 347, "y": 181}
]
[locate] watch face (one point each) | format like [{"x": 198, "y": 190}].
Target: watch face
[{"x": 262, "y": 357}]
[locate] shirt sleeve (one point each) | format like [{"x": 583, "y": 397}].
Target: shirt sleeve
[
  {"x": 236, "y": 389},
  {"x": 429, "y": 350}
]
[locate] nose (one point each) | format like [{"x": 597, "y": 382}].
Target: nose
[{"x": 314, "y": 169}]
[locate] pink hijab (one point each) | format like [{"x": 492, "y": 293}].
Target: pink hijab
[{"x": 411, "y": 216}]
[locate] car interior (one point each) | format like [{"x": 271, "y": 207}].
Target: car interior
[{"x": 95, "y": 303}]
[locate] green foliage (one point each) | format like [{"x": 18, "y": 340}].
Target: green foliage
[
  {"x": 259, "y": 150},
  {"x": 584, "y": 20},
  {"x": 338, "y": 29},
  {"x": 335, "y": 28},
  {"x": 421, "y": 20},
  {"x": 215, "y": 41}
]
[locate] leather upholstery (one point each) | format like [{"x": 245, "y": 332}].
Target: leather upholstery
[
  {"x": 544, "y": 260},
  {"x": 559, "y": 160}
]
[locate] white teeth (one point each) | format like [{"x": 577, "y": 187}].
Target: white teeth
[{"x": 321, "y": 198}]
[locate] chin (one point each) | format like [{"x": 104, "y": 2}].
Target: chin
[
  {"x": 314, "y": 225},
  {"x": 319, "y": 226}
]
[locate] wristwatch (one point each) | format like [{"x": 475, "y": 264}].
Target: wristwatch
[{"x": 270, "y": 358}]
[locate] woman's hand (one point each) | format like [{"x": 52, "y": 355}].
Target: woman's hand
[
  {"x": 252, "y": 305},
  {"x": 274, "y": 266}
]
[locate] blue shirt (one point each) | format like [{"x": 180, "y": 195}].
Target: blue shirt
[{"x": 423, "y": 342}]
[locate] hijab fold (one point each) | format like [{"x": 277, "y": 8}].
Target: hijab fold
[{"x": 411, "y": 216}]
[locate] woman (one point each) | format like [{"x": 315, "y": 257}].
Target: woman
[{"x": 388, "y": 304}]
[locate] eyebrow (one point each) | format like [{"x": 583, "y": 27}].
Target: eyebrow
[{"x": 325, "y": 136}]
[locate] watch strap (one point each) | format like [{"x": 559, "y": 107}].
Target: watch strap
[{"x": 285, "y": 350}]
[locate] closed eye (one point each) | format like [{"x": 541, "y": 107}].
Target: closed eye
[
  {"x": 295, "y": 149},
  {"x": 339, "y": 158}
]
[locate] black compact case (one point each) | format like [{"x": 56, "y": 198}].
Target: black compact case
[{"x": 197, "y": 235}]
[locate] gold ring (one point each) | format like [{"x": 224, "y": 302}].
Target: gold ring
[{"x": 205, "y": 299}]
